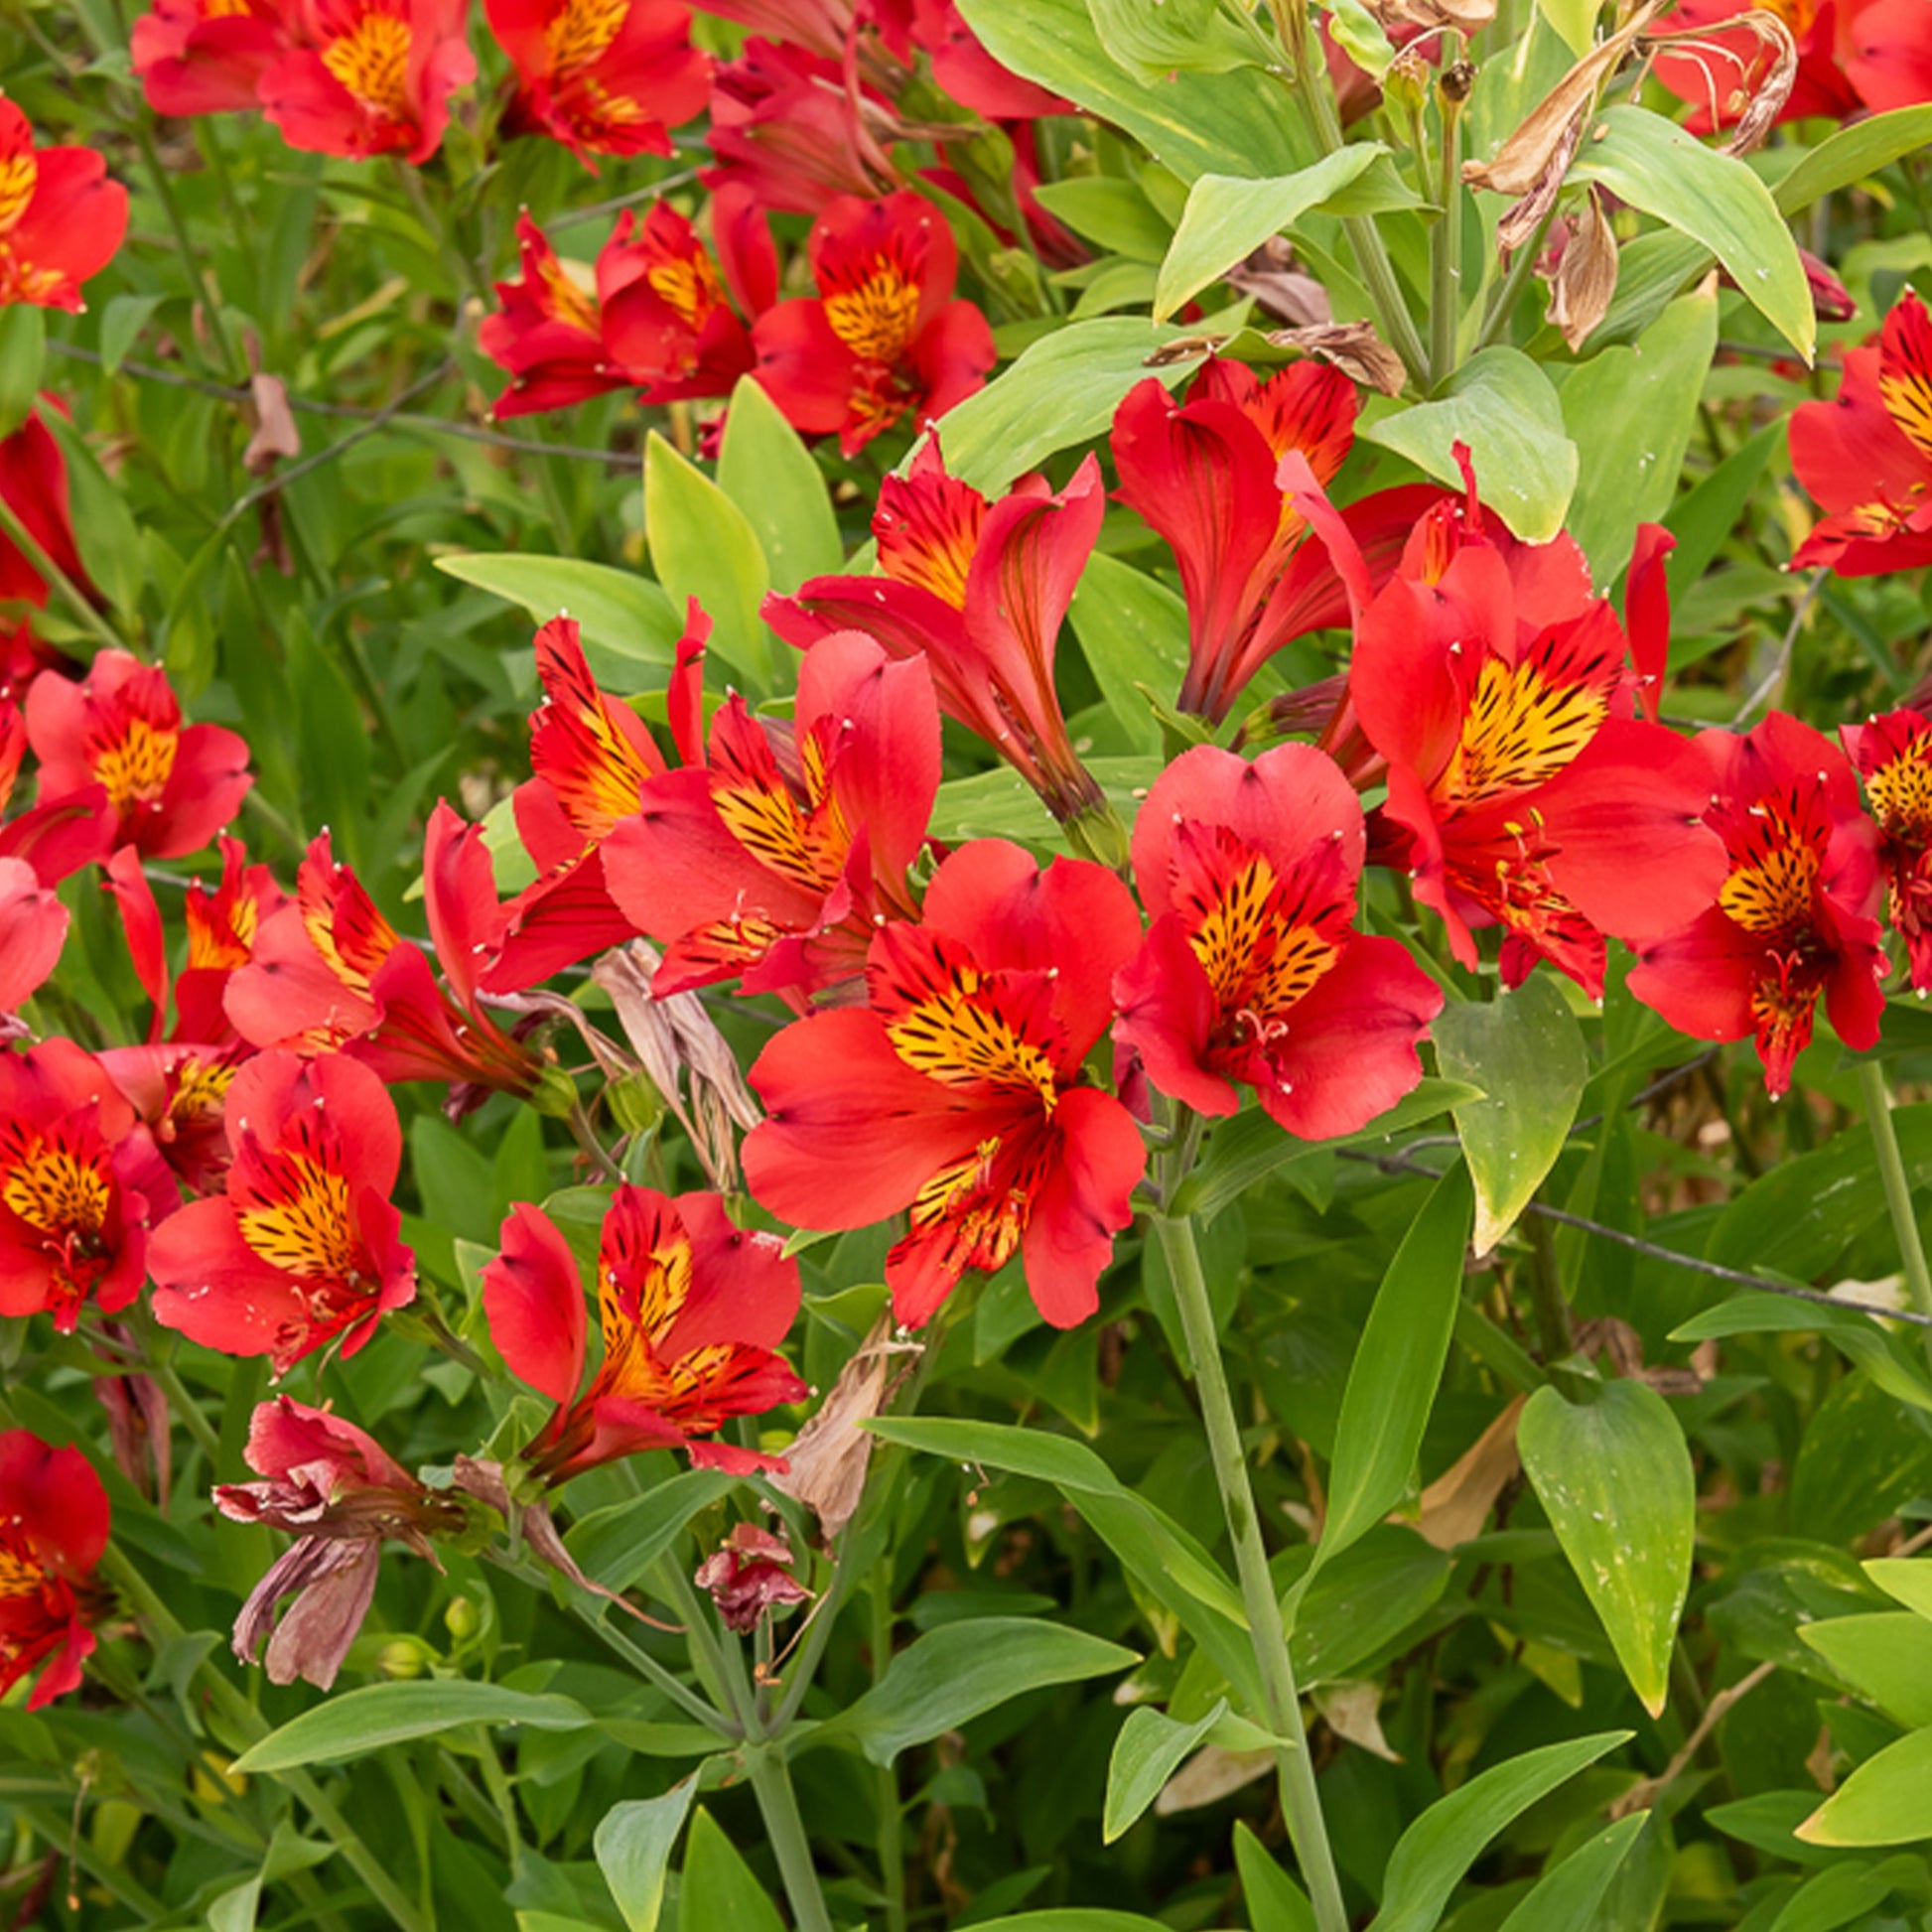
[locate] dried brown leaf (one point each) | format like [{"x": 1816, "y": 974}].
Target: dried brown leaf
[
  {"x": 1353, "y": 347},
  {"x": 276, "y": 435},
  {"x": 1354, "y": 1711},
  {"x": 1586, "y": 277},
  {"x": 1456, "y": 1505},
  {"x": 1287, "y": 291}
]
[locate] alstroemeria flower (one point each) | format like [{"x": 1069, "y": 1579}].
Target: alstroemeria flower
[
  {"x": 1521, "y": 791},
  {"x": 60, "y": 217},
  {"x": 603, "y": 76},
  {"x": 772, "y": 857},
  {"x": 549, "y": 332},
  {"x": 59, "y": 835},
  {"x": 1890, "y": 61},
  {"x": 329, "y": 971},
  {"x": 1794, "y": 916},
  {"x": 749, "y": 1576},
  {"x": 1202, "y": 474},
  {"x": 885, "y": 336},
  {"x": 303, "y": 1248},
  {"x": 208, "y": 57},
  {"x": 33, "y": 929},
  {"x": 1867, "y": 454},
  {"x": 371, "y": 77},
  {"x": 1893, "y": 756},
  {"x": 692, "y": 1312},
  {"x": 53, "y": 1526},
  {"x": 979, "y": 590},
  {"x": 171, "y": 786},
  {"x": 340, "y": 1494},
  {"x": 79, "y": 1183},
  {"x": 34, "y": 486},
  {"x": 1252, "y": 968},
  {"x": 958, "y": 1091}
]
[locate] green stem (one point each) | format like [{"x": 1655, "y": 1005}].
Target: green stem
[
  {"x": 211, "y": 299},
  {"x": 891, "y": 1817},
  {"x": 1446, "y": 242},
  {"x": 1877, "y": 1095},
  {"x": 1502, "y": 304},
  {"x": 720, "y": 1658},
  {"x": 500, "y": 1795},
  {"x": 190, "y": 1411},
  {"x": 1547, "y": 1299},
  {"x": 1301, "y": 1800},
  {"x": 778, "y": 1804},
  {"x": 468, "y": 274},
  {"x": 71, "y": 593}
]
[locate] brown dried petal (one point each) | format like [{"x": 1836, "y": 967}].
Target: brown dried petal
[
  {"x": 1287, "y": 291},
  {"x": 1458, "y": 1503},
  {"x": 276, "y": 435},
  {"x": 1465, "y": 16},
  {"x": 333, "y": 1583},
  {"x": 1520, "y": 222},
  {"x": 1353, "y": 347},
  {"x": 1586, "y": 277}
]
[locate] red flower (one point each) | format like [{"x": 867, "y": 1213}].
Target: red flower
[
  {"x": 54, "y": 1525},
  {"x": 33, "y": 929},
  {"x": 1252, "y": 969},
  {"x": 1793, "y": 917},
  {"x": 1890, "y": 61},
  {"x": 170, "y": 787},
  {"x": 206, "y": 56},
  {"x": 958, "y": 1090},
  {"x": 885, "y": 336},
  {"x": 979, "y": 590},
  {"x": 692, "y": 1311},
  {"x": 549, "y": 333},
  {"x": 59, "y": 835},
  {"x": 749, "y": 1576},
  {"x": 1867, "y": 454},
  {"x": 821, "y": 25},
  {"x": 1203, "y": 474},
  {"x": 1723, "y": 67},
  {"x": 772, "y": 859},
  {"x": 1521, "y": 791},
  {"x": 603, "y": 76},
  {"x": 79, "y": 1181},
  {"x": 338, "y": 1492},
  {"x": 34, "y": 486},
  {"x": 60, "y": 217},
  {"x": 1893, "y": 755},
  {"x": 304, "y": 1247},
  {"x": 329, "y": 971},
  {"x": 371, "y": 77}
]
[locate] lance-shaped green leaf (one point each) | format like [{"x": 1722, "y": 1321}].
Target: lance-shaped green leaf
[
  {"x": 1887, "y": 1800},
  {"x": 1525, "y": 1050},
  {"x": 1851, "y": 155},
  {"x": 1392, "y": 1381},
  {"x": 1170, "y": 37},
  {"x": 1886, "y": 1654},
  {"x": 1502, "y": 406},
  {"x": 1275, "y": 1902},
  {"x": 1567, "y": 1896},
  {"x": 764, "y": 468},
  {"x": 1147, "y": 1754},
  {"x": 1432, "y": 1856},
  {"x": 1907, "y": 1579},
  {"x": 716, "y": 1888},
  {"x": 1613, "y": 1474},
  {"x": 1713, "y": 198},
  {"x": 23, "y": 349},
  {"x": 703, "y": 545},
  {"x": 360, "y": 1721},
  {"x": 633, "y": 1843},
  {"x": 628, "y": 630}
]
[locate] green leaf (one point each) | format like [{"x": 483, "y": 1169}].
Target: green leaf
[
  {"x": 23, "y": 349},
  {"x": 1502, "y": 406},
  {"x": 1110, "y": 213},
  {"x": 1614, "y": 1477},
  {"x": 1399, "y": 1362},
  {"x": 1713, "y": 198},
  {"x": 1071, "y": 1918},
  {"x": 1275, "y": 1902},
  {"x": 702, "y": 545},
  {"x": 1703, "y": 518},
  {"x": 716, "y": 1889},
  {"x": 614, "y": 1546},
  {"x": 1566, "y": 1897},
  {"x": 628, "y": 630},
  {"x": 1576, "y": 22},
  {"x": 1169, "y": 37},
  {"x": 366, "y": 1719},
  {"x": 1851, "y": 153},
  {"x": 1526, "y": 1050},
  {"x": 634, "y": 1844},
  {"x": 764, "y": 468},
  {"x": 960, "y": 1671},
  {"x": 1887, "y": 1800},
  {"x": 121, "y": 323},
  {"x": 235, "y": 1910},
  {"x": 1062, "y": 390},
  {"x": 1634, "y": 408},
  {"x": 1228, "y": 216},
  {"x": 1857, "y": 1336},
  {"x": 1147, "y": 1751},
  {"x": 1887, "y": 1655},
  {"x": 1230, "y": 123},
  {"x": 1133, "y": 632},
  {"x": 1904, "y": 1578},
  {"x": 1432, "y": 1856},
  {"x": 1842, "y": 1893}
]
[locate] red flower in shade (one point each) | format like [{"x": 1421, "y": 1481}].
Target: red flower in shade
[
  {"x": 1252, "y": 969},
  {"x": 1521, "y": 791},
  {"x": 1893, "y": 755},
  {"x": 60, "y": 217},
  {"x": 692, "y": 1311},
  {"x": 371, "y": 77},
  {"x": 773, "y": 858},
  {"x": 340, "y": 1493},
  {"x": 1867, "y": 456},
  {"x": 749, "y": 1576},
  {"x": 979, "y": 590},
  {"x": 54, "y": 1525},
  {"x": 79, "y": 1181},
  {"x": 958, "y": 1092},
  {"x": 33, "y": 929},
  {"x": 1202, "y": 474},
  {"x": 329, "y": 971},
  {"x": 885, "y": 336},
  {"x": 171, "y": 786},
  {"x": 1793, "y": 917},
  {"x": 34, "y": 486},
  {"x": 603, "y": 76},
  {"x": 303, "y": 1249},
  {"x": 206, "y": 56}
]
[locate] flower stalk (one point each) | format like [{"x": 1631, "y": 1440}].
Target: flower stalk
[{"x": 1877, "y": 1095}]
